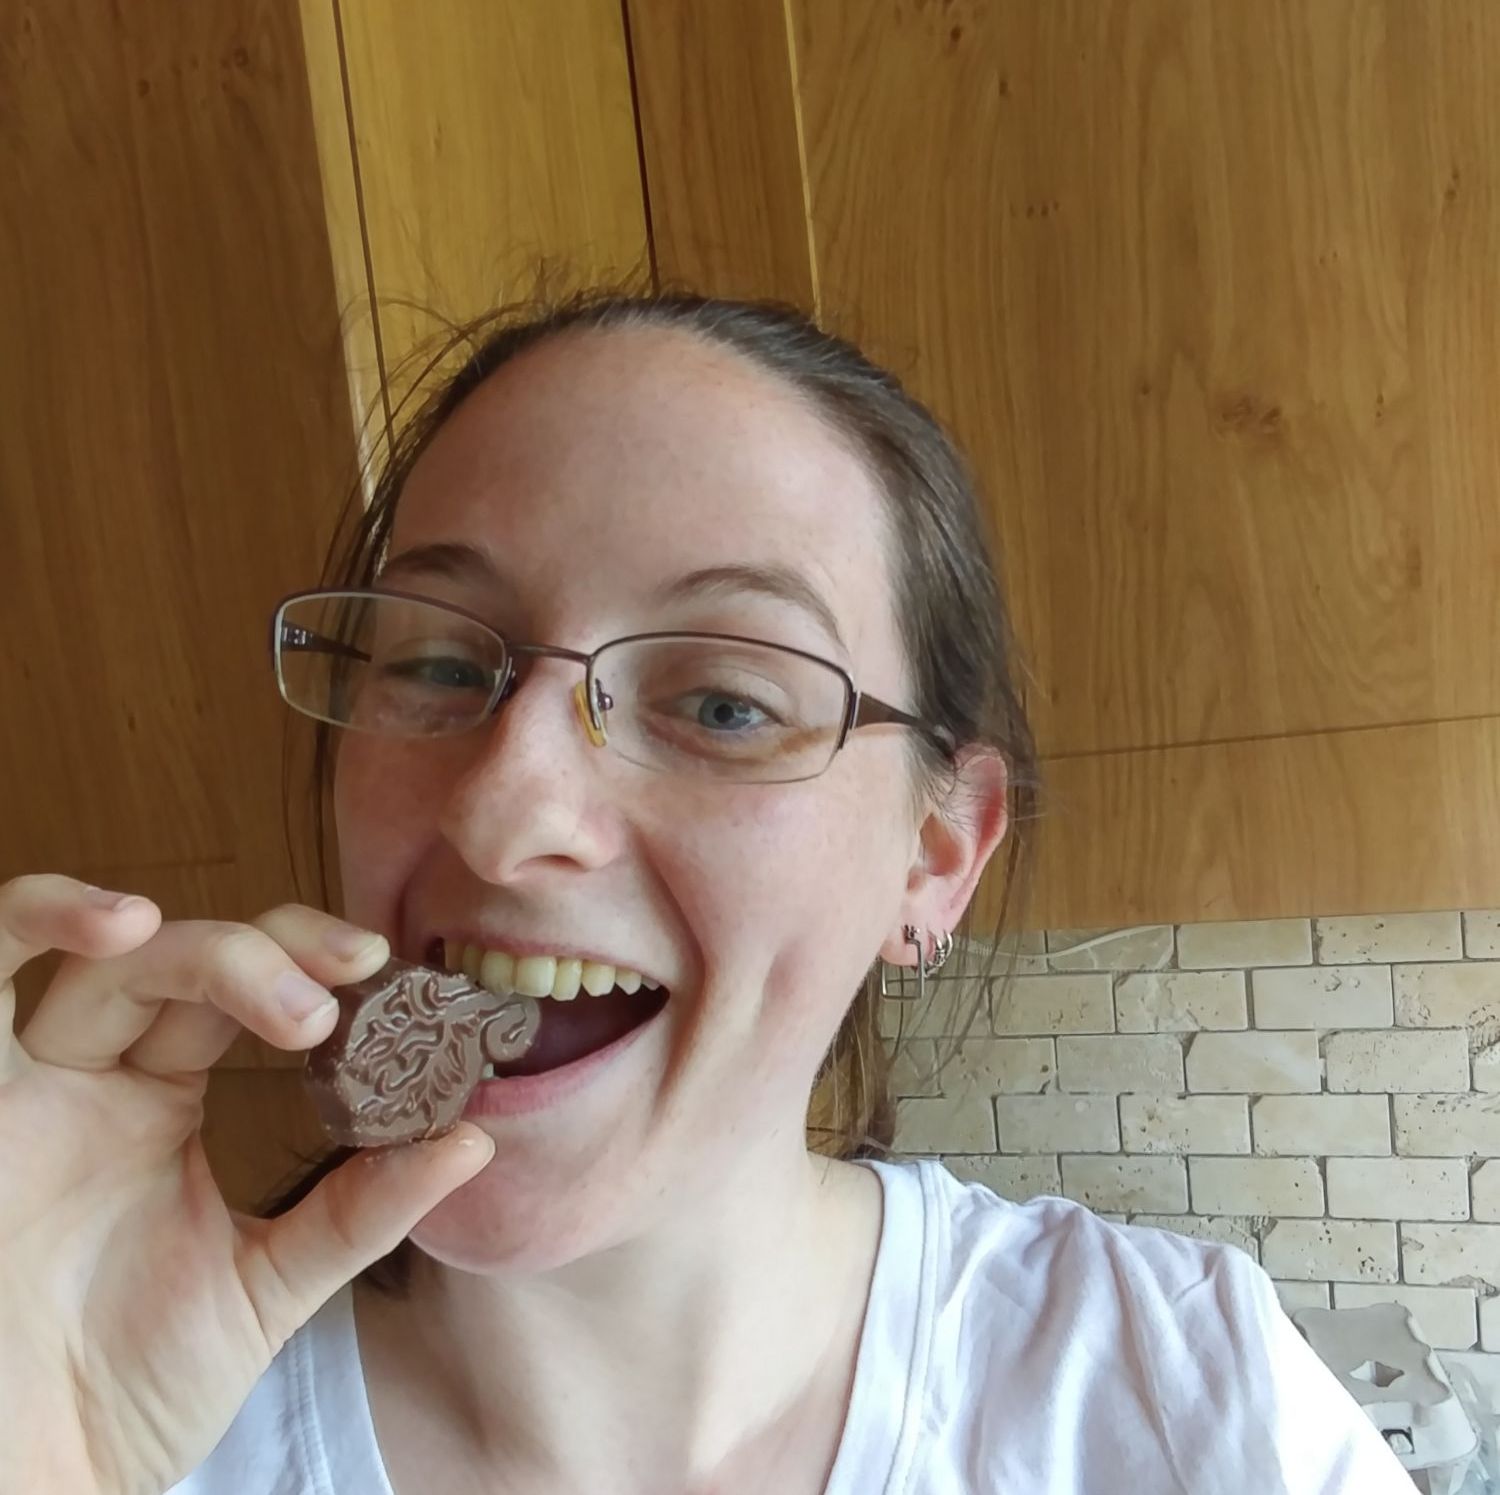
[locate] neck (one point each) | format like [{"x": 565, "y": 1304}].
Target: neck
[{"x": 717, "y": 1347}]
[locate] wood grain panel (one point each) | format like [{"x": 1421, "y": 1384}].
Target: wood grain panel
[
  {"x": 322, "y": 45},
  {"x": 1208, "y": 292},
  {"x": 719, "y": 129},
  {"x": 1383, "y": 820},
  {"x": 176, "y": 433},
  {"x": 490, "y": 139}
]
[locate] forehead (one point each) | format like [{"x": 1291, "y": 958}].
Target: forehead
[{"x": 629, "y": 457}]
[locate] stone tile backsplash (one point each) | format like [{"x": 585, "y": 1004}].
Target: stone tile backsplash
[{"x": 1323, "y": 1094}]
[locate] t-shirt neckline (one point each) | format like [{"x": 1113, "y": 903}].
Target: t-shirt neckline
[{"x": 880, "y": 1426}]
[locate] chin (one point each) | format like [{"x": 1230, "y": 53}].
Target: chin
[{"x": 505, "y": 1221}]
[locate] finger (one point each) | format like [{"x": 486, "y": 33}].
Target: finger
[
  {"x": 187, "y": 1037},
  {"x": 95, "y": 1010},
  {"x": 48, "y": 911},
  {"x": 184, "y": 1038},
  {"x": 357, "y": 1214}
]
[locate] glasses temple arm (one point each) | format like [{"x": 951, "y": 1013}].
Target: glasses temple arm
[
  {"x": 872, "y": 712},
  {"x": 307, "y": 641}
]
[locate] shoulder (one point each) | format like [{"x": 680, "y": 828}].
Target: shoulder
[
  {"x": 981, "y": 1244},
  {"x": 1124, "y": 1353},
  {"x": 1051, "y": 1264}
]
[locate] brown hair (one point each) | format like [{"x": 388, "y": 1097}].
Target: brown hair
[{"x": 949, "y": 607}]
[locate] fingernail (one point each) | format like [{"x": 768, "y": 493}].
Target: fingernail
[
  {"x": 301, "y": 997},
  {"x": 103, "y": 898},
  {"x": 348, "y": 943}
]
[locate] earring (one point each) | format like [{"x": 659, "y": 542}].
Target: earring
[{"x": 924, "y": 965}]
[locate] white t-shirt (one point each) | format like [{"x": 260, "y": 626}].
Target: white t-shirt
[{"x": 1008, "y": 1349}]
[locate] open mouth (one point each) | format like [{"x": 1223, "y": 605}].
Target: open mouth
[{"x": 585, "y": 1005}]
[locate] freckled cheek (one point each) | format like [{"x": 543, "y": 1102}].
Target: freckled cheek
[
  {"x": 792, "y": 892},
  {"x": 386, "y": 818}
]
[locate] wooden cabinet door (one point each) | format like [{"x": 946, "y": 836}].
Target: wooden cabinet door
[
  {"x": 176, "y": 446},
  {"x": 1207, "y": 292},
  {"x": 474, "y": 153}
]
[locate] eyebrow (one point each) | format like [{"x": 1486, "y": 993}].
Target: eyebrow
[
  {"x": 767, "y": 579},
  {"x": 450, "y": 559},
  {"x": 461, "y": 562}
]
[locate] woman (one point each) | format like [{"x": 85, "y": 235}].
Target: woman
[{"x": 641, "y": 1265}]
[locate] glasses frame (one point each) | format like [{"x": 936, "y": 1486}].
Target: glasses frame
[{"x": 591, "y": 700}]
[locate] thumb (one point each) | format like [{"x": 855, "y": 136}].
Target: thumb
[{"x": 359, "y": 1213}]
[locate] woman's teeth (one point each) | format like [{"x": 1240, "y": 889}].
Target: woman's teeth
[{"x": 558, "y": 977}]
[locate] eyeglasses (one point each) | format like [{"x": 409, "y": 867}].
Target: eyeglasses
[{"x": 704, "y": 704}]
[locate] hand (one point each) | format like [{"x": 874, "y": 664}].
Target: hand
[{"x": 137, "y": 1309}]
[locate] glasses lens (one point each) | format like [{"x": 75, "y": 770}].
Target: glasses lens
[
  {"x": 386, "y": 664},
  {"x": 722, "y": 709}
]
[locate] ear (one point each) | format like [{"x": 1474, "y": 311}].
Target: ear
[{"x": 954, "y": 844}]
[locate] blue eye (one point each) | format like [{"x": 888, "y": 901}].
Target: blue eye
[
  {"x": 723, "y": 713},
  {"x": 448, "y": 673}
]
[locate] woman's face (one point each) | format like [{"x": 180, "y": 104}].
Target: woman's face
[{"x": 593, "y": 480}]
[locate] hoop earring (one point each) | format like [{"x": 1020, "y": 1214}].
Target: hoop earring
[{"x": 924, "y": 965}]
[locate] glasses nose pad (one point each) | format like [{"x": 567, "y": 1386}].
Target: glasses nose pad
[{"x": 592, "y": 726}]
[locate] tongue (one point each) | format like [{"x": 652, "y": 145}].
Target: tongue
[{"x": 572, "y": 1030}]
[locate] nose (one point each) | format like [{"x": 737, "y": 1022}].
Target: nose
[{"x": 532, "y": 801}]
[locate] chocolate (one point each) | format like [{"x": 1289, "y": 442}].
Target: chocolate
[{"x": 407, "y": 1050}]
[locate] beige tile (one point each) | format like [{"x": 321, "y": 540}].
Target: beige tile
[
  {"x": 1485, "y": 1066},
  {"x": 1447, "y": 1126},
  {"x": 1445, "y": 1315},
  {"x": 1225, "y": 1230},
  {"x": 1110, "y": 950},
  {"x": 1295, "y": 1295},
  {"x": 1385, "y": 938},
  {"x": 1014, "y": 1178},
  {"x": 1451, "y": 1255},
  {"x": 914, "y": 1068},
  {"x": 1255, "y": 1186},
  {"x": 1321, "y": 1125},
  {"x": 1185, "y": 1123},
  {"x": 1398, "y": 1189},
  {"x": 1112, "y": 1063},
  {"x": 962, "y": 1124},
  {"x": 1241, "y": 944},
  {"x": 1157, "y": 1185},
  {"x": 1482, "y": 934},
  {"x": 1045, "y": 1005},
  {"x": 1458, "y": 994},
  {"x": 1398, "y": 1060},
  {"x": 1057, "y": 1123},
  {"x": 1341, "y": 1250},
  {"x": 1022, "y": 954},
  {"x": 1489, "y": 1326},
  {"x": 1180, "y": 1001},
  {"x": 1000, "y": 1066},
  {"x": 1254, "y": 1063},
  {"x": 1322, "y": 997},
  {"x": 1484, "y": 1183},
  {"x": 949, "y": 1010}
]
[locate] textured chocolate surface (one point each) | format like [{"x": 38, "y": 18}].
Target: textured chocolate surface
[{"x": 407, "y": 1050}]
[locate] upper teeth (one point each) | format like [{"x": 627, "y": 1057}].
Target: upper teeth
[{"x": 559, "y": 977}]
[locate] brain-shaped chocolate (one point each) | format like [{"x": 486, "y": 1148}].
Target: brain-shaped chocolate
[{"x": 408, "y": 1048}]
